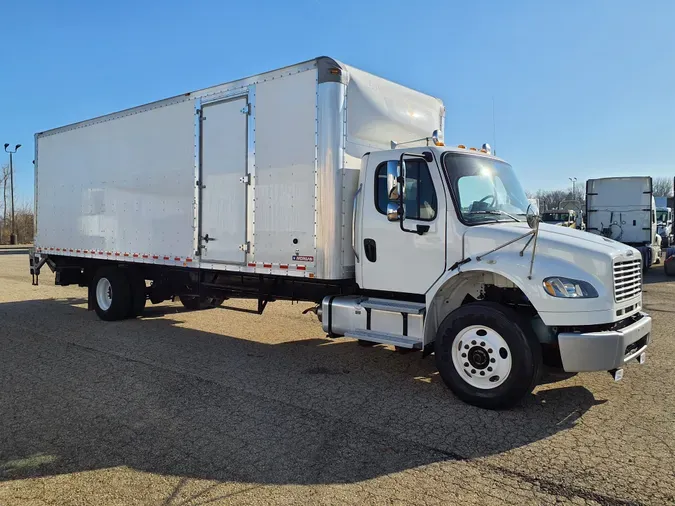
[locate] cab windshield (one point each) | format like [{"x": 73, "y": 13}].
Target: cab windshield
[
  {"x": 661, "y": 216},
  {"x": 487, "y": 189}
]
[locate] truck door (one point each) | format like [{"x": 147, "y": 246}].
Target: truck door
[
  {"x": 393, "y": 260},
  {"x": 223, "y": 178}
]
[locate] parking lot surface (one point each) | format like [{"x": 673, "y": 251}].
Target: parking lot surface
[{"x": 229, "y": 407}]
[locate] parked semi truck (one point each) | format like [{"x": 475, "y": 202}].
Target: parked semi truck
[
  {"x": 320, "y": 182},
  {"x": 623, "y": 209},
  {"x": 664, "y": 221},
  {"x": 562, "y": 218}
]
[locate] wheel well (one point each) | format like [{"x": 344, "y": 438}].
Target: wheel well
[{"x": 470, "y": 287}]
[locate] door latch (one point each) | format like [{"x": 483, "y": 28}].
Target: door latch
[
  {"x": 246, "y": 109},
  {"x": 206, "y": 238},
  {"x": 246, "y": 179},
  {"x": 246, "y": 247}
]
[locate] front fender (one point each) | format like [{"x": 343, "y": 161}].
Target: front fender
[{"x": 511, "y": 267}]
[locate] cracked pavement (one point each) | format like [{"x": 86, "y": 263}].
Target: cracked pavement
[{"x": 228, "y": 407}]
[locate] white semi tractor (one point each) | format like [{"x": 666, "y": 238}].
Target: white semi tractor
[
  {"x": 624, "y": 209},
  {"x": 320, "y": 182}
]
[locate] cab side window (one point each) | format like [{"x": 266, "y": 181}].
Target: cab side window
[{"x": 420, "y": 201}]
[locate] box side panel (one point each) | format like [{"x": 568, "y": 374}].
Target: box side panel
[
  {"x": 285, "y": 165},
  {"x": 120, "y": 185}
]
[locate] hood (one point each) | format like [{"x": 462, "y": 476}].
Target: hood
[{"x": 550, "y": 236}]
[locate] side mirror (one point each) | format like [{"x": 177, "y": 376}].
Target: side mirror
[
  {"x": 393, "y": 211},
  {"x": 393, "y": 187}
]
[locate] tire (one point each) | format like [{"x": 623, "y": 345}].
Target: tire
[
  {"x": 493, "y": 341},
  {"x": 111, "y": 293},
  {"x": 138, "y": 293}
]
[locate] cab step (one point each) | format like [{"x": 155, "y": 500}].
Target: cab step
[
  {"x": 385, "y": 338},
  {"x": 394, "y": 306}
]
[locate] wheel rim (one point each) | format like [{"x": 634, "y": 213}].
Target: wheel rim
[
  {"x": 104, "y": 294},
  {"x": 481, "y": 357}
]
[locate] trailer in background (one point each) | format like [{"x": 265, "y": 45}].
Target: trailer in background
[{"x": 623, "y": 209}]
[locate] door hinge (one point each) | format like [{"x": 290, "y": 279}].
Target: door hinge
[
  {"x": 246, "y": 247},
  {"x": 246, "y": 179},
  {"x": 246, "y": 109},
  {"x": 198, "y": 184}
]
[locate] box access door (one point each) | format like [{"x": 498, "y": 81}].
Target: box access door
[{"x": 224, "y": 182}]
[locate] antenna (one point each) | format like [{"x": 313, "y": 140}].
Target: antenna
[{"x": 494, "y": 128}]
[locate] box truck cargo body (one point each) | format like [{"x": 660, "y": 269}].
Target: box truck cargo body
[
  {"x": 254, "y": 176},
  {"x": 320, "y": 182}
]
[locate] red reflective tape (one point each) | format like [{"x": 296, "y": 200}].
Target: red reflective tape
[
  {"x": 100, "y": 252},
  {"x": 301, "y": 267},
  {"x": 155, "y": 257},
  {"x": 108, "y": 253},
  {"x": 116, "y": 254},
  {"x": 283, "y": 266},
  {"x": 58, "y": 249},
  {"x": 77, "y": 251},
  {"x": 145, "y": 256},
  {"x": 267, "y": 266},
  {"x": 86, "y": 251},
  {"x": 188, "y": 259},
  {"x": 177, "y": 259},
  {"x": 135, "y": 255},
  {"x": 126, "y": 254},
  {"x": 167, "y": 258},
  {"x": 251, "y": 265},
  {"x": 52, "y": 249},
  {"x": 70, "y": 250}
]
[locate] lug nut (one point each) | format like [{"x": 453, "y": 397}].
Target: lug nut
[
  {"x": 482, "y": 343},
  {"x": 492, "y": 360},
  {"x": 473, "y": 342},
  {"x": 463, "y": 355}
]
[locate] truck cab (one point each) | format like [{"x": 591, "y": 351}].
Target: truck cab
[
  {"x": 664, "y": 225},
  {"x": 561, "y": 217},
  {"x": 451, "y": 259}
]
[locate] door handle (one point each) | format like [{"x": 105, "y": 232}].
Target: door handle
[
  {"x": 206, "y": 238},
  {"x": 370, "y": 249}
]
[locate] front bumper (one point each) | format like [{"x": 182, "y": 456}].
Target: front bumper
[{"x": 605, "y": 350}]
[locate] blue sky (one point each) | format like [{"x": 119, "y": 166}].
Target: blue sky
[{"x": 581, "y": 88}]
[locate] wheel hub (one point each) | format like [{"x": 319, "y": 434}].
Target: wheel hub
[
  {"x": 478, "y": 357},
  {"x": 481, "y": 357}
]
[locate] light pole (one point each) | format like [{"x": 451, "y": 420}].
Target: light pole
[
  {"x": 574, "y": 186},
  {"x": 12, "y": 236}
]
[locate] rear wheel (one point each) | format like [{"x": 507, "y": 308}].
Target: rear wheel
[
  {"x": 111, "y": 293},
  {"x": 486, "y": 357}
]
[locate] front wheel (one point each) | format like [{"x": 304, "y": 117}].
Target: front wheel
[{"x": 486, "y": 356}]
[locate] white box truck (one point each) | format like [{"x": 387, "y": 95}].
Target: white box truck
[
  {"x": 320, "y": 182},
  {"x": 623, "y": 209}
]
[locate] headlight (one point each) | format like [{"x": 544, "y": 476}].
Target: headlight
[{"x": 569, "y": 288}]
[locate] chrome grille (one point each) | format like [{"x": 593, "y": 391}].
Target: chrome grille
[{"x": 627, "y": 279}]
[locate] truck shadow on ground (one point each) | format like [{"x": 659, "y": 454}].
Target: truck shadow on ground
[{"x": 79, "y": 394}]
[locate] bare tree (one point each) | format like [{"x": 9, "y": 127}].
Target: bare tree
[
  {"x": 662, "y": 186},
  {"x": 554, "y": 199}
]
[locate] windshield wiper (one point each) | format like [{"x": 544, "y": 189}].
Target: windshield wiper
[{"x": 495, "y": 211}]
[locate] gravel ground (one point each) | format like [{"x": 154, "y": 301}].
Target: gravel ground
[{"x": 228, "y": 407}]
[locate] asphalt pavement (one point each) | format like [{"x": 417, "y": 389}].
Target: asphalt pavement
[{"x": 229, "y": 407}]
